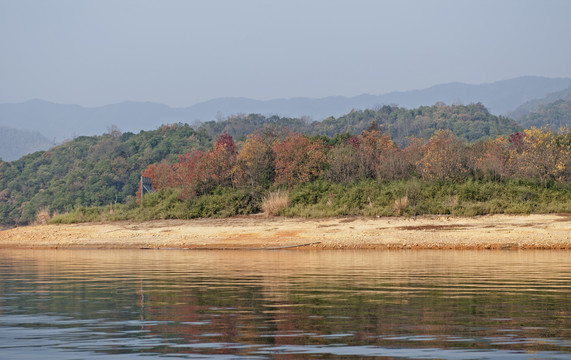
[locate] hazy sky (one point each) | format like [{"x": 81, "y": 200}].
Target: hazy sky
[{"x": 180, "y": 52}]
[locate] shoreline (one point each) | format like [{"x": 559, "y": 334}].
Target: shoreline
[{"x": 550, "y": 231}]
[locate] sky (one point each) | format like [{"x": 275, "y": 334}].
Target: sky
[{"x": 181, "y": 52}]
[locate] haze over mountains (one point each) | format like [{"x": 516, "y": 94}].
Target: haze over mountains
[
  {"x": 14, "y": 143},
  {"x": 536, "y": 104},
  {"x": 58, "y": 122}
]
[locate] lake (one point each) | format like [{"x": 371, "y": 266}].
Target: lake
[{"x": 287, "y": 304}]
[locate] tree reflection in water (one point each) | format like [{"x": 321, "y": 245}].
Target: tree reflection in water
[{"x": 246, "y": 302}]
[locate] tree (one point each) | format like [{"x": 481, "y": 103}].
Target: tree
[
  {"x": 539, "y": 154},
  {"x": 221, "y": 160},
  {"x": 495, "y": 157},
  {"x": 299, "y": 160},
  {"x": 191, "y": 172},
  {"x": 201, "y": 172},
  {"x": 254, "y": 163},
  {"x": 344, "y": 163},
  {"x": 378, "y": 154},
  {"x": 444, "y": 157}
]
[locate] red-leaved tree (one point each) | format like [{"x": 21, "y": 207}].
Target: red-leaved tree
[{"x": 299, "y": 159}]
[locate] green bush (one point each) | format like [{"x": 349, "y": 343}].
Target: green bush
[
  {"x": 366, "y": 197},
  {"x": 79, "y": 215},
  {"x": 224, "y": 202}
]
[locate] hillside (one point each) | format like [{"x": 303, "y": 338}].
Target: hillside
[
  {"x": 61, "y": 121},
  {"x": 16, "y": 143},
  {"x": 556, "y": 115},
  {"x": 105, "y": 170},
  {"x": 534, "y": 105},
  {"x": 553, "y": 110},
  {"x": 97, "y": 170},
  {"x": 470, "y": 122}
]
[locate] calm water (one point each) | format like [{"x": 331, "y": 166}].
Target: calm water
[{"x": 123, "y": 304}]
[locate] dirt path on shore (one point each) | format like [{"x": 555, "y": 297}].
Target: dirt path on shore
[{"x": 255, "y": 232}]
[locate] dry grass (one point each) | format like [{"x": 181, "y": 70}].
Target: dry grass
[
  {"x": 400, "y": 204},
  {"x": 275, "y": 202},
  {"x": 43, "y": 216},
  {"x": 453, "y": 200}
]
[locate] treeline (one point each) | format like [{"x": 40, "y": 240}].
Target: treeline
[
  {"x": 469, "y": 122},
  {"x": 555, "y": 115},
  {"x": 266, "y": 159},
  {"x": 298, "y": 175},
  {"x": 533, "y": 106},
  {"x": 255, "y": 155},
  {"x": 369, "y": 175}
]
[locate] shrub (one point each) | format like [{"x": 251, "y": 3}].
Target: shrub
[{"x": 223, "y": 202}]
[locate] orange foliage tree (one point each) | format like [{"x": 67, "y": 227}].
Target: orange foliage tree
[
  {"x": 299, "y": 159},
  {"x": 495, "y": 158},
  {"x": 410, "y": 156},
  {"x": 254, "y": 164},
  {"x": 191, "y": 172},
  {"x": 535, "y": 154},
  {"x": 202, "y": 172},
  {"x": 197, "y": 172},
  {"x": 221, "y": 161},
  {"x": 379, "y": 156},
  {"x": 444, "y": 157}
]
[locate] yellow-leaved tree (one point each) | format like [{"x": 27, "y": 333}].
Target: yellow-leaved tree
[
  {"x": 444, "y": 157},
  {"x": 254, "y": 164}
]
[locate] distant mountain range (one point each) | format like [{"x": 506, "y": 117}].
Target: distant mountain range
[
  {"x": 16, "y": 142},
  {"x": 58, "y": 122},
  {"x": 498, "y": 97}
]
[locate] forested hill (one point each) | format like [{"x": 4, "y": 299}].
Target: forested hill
[
  {"x": 103, "y": 170},
  {"x": 470, "y": 122},
  {"x": 555, "y": 115},
  {"x": 97, "y": 170},
  {"x": 533, "y": 106}
]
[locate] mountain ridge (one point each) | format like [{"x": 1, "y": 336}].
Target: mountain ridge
[
  {"x": 16, "y": 142},
  {"x": 66, "y": 121},
  {"x": 534, "y": 105}
]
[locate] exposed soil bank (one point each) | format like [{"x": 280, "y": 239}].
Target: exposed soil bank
[{"x": 254, "y": 232}]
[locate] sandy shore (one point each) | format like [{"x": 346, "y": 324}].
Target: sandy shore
[{"x": 255, "y": 232}]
